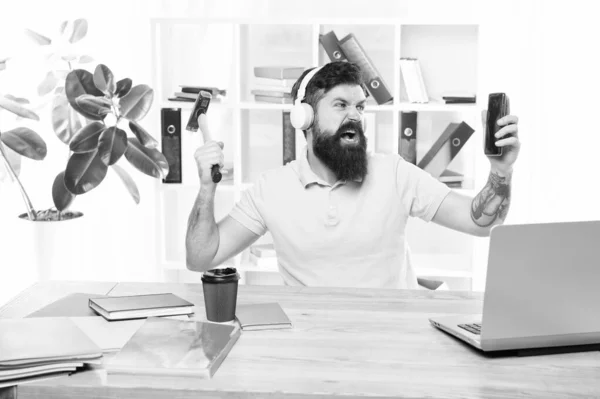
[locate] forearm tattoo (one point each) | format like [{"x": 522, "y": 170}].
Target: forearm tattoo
[{"x": 492, "y": 203}]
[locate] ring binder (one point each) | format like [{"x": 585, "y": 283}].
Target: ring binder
[
  {"x": 446, "y": 147},
  {"x": 371, "y": 77}
]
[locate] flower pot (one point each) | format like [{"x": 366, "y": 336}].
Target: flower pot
[{"x": 55, "y": 248}]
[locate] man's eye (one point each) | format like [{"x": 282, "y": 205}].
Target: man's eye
[
  {"x": 360, "y": 107},
  {"x": 342, "y": 105}
]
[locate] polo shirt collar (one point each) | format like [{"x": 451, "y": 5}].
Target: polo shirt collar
[{"x": 308, "y": 176}]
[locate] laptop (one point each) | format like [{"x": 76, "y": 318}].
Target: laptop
[{"x": 542, "y": 289}]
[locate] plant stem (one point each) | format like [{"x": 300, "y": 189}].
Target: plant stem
[{"x": 30, "y": 211}]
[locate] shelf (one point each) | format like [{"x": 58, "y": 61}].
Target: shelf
[
  {"x": 260, "y": 105},
  {"x": 382, "y": 107},
  {"x": 439, "y": 106},
  {"x": 449, "y": 58},
  {"x": 185, "y": 105}
]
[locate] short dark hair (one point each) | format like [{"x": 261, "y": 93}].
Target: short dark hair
[{"x": 331, "y": 75}]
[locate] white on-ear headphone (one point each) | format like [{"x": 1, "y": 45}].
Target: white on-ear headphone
[{"x": 302, "y": 114}]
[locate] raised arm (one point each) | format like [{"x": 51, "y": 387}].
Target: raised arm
[
  {"x": 478, "y": 215},
  {"x": 207, "y": 243}
]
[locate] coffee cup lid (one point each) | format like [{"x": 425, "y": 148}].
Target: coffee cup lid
[{"x": 221, "y": 275}]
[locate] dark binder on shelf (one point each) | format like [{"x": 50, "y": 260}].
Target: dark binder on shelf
[
  {"x": 371, "y": 76},
  {"x": 407, "y": 143},
  {"x": 331, "y": 45},
  {"x": 171, "y": 142},
  {"x": 289, "y": 138},
  {"x": 446, "y": 147}
]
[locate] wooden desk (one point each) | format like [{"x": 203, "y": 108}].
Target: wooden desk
[{"x": 345, "y": 342}]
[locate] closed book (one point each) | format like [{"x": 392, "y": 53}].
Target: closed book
[
  {"x": 411, "y": 81},
  {"x": 214, "y": 91},
  {"x": 182, "y": 99},
  {"x": 26, "y": 372},
  {"x": 271, "y": 93},
  {"x": 424, "y": 98},
  {"x": 72, "y": 305},
  {"x": 284, "y": 83},
  {"x": 140, "y": 306},
  {"x": 180, "y": 94},
  {"x": 262, "y": 316},
  {"x": 274, "y": 100},
  {"x": 178, "y": 348},
  {"x": 34, "y": 378},
  {"x": 289, "y": 138},
  {"x": 278, "y": 71},
  {"x": 450, "y": 176},
  {"x": 273, "y": 89},
  {"x": 460, "y": 101},
  {"x": 38, "y": 341}
]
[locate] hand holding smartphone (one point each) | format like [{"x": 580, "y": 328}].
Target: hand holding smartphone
[{"x": 498, "y": 107}]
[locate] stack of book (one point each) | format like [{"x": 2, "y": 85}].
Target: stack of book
[
  {"x": 190, "y": 93},
  {"x": 273, "y": 84},
  {"x": 37, "y": 348},
  {"x": 459, "y": 98},
  {"x": 413, "y": 80},
  {"x": 264, "y": 257}
]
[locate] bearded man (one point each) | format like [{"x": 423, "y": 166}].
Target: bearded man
[{"x": 338, "y": 214}]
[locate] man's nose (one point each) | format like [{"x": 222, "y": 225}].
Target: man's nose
[{"x": 353, "y": 114}]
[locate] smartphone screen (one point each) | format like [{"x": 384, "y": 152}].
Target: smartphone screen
[{"x": 498, "y": 107}]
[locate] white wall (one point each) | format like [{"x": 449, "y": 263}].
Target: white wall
[{"x": 541, "y": 52}]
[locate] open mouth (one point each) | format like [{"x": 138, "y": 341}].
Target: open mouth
[{"x": 349, "y": 136}]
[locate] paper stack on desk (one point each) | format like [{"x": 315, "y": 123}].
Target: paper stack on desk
[
  {"x": 172, "y": 347},
  {"x": 42, "y": 347}
]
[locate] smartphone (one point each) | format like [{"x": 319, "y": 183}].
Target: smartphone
[
  {"x": 200, "y": 107},
  {"x": 498, "y": 107}
]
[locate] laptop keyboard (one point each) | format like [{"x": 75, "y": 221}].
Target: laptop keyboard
[{"x": 474, "y": 328}]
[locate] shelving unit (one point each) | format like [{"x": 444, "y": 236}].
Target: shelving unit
[{"x": 223, "y": 52}]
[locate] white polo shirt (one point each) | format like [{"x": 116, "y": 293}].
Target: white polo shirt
[{"x": 350, "y": 234}]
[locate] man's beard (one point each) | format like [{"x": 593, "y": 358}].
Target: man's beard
[{"x": 347, "y": 161}]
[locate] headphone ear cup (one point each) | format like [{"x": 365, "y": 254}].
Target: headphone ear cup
[{"x": 302, "y": 116}]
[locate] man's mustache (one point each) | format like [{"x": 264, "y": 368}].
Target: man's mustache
[{"x": 350, "y": 125}]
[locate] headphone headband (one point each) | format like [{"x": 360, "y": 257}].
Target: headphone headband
[{"x": 305, "y": 81}]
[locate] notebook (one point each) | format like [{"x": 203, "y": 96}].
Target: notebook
[
  {"x": 173, "y": 347},
  {"x": 262, "y": 316},
  {"x": 73, "y": 305},
  {"x": 140, "y": 306},
  {"x": 37, "y": 341}
]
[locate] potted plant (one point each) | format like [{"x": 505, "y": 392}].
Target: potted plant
[{"x": 97, "y": 117}]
